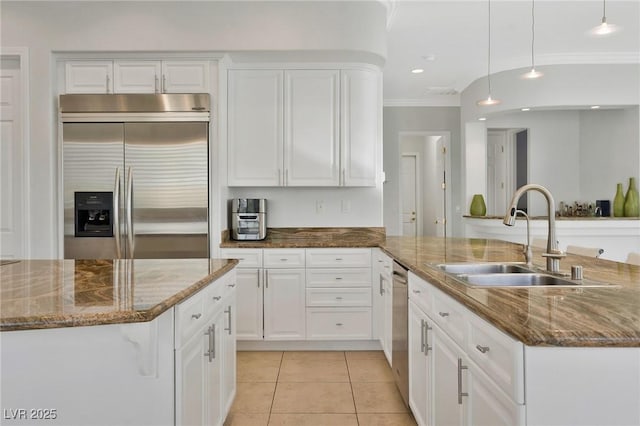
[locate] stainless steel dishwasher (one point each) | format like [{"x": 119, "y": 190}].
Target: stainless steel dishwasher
[{"x": 400, "y": 325}]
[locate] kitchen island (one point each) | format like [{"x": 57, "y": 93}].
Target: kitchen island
[
  {"x": 522, "y": 356},
  {"x": 117, "y": 341}
]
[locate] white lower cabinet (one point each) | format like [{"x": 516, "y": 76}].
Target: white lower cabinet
[
  {"x": 249, "y": 305},
  {"x": 205, "y": 355},
  {"x": 284, "y": 304},
  {"x": 387, "y": 339},
  {"x": 460, "y": 375},
  {"x": 382, "y": 301}
]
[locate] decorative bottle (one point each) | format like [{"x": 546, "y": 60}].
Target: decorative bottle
[
  {"x": 478, "y": 207},
  {"x": 618, "y": 202},
  {"x": 631, "y": 200}
]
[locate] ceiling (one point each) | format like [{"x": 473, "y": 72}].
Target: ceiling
[{"x": 448, "y": 39}]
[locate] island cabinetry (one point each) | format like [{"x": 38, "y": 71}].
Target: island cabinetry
[
  {"x": 338, "y": 294},
  {"x": 303, "y": 127},
  {"x": 451, "y": 384},
  {"x": 205, "y": 355},
  {"x": 137, "y": 76},
  {"x": 382, "y": 300}
]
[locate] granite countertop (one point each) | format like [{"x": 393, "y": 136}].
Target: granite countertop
[
  {"x": 36, "y": 294},
  {"x": 311, "y": 237},
  {"x": 537, "y": 316}
]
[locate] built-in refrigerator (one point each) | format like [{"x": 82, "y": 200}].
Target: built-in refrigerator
[{"x": 135, "y": 175}]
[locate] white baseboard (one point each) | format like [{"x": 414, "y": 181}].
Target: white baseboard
[{"x": 306, "y": 345}]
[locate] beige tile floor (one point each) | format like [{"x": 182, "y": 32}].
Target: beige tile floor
[{"x": 316, "y": 389}]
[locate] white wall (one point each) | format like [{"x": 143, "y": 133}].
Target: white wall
[
  {"x": 324, "y": 30},
  {"x": 553, "y": 151},
  {"x": 298, "y": 207},
  {"x": 609, "y": 151},
  {"x": 399, "y": 119}
]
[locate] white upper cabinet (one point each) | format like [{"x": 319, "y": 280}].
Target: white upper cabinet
[
  {"x": 88, "y": 77},
  {"x": 361, "y": 108},
  {"x": 255, "y": 127},
  {"x": 137, "y": 76},
  {"x": 311, "y": 137},
  {"x": 185, "y": 76},
  {"x": 143, "y": 76},
  {"x": 303, "y": 127}
]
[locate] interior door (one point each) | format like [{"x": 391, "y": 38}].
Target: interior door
[
  {"x": 166, "y": 190},
  {"x": 497, "y": 160},
  {"x": 408, "y": 187},
  {"x": 92, "y": 162},
  {"x": 12, "y": 213}
]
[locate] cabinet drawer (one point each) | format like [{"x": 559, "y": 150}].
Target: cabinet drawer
[
  {"x": 382, "y": 262},
  {"x": 338, "y": 297},
  {"x": 337, "y": 258},
  {"x": 249, "y": 258},
  {"x": 213, "y": 294},
  {"x": 449, "y": 315},
  {"x": 355, "y": 277},
  {"x": 283, "y": 258},
  {"x": 190, "y": 317},
  {"x": 420, "y": 292},
  {"x": 338, "y": 323},
  {"x": 498, "y": 355}
]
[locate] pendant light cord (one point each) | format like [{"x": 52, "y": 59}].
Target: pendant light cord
[
  {"x": 533, "y": 32},
  {"x": 489, "y": 49},
  {"x": 604, "y": 10}
]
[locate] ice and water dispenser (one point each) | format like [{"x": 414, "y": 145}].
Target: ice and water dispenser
[{"x": 94, "y": 214}]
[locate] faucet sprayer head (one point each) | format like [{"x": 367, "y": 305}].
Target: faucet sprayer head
[{"x": 510, "y": 217}]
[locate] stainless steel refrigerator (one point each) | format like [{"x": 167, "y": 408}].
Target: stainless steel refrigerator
[{"x": 135, "y": 175}]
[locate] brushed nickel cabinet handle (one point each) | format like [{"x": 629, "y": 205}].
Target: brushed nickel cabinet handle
[
  {"x": 422, "y": 324},
  {"x": 228, "y": 312},
  {"x": 443, "y": 314},
  {"x": 196, "y": 316},
  {"x": 427, "y": 348},
  {"x": 216, "y": 298},
  {"x": 460, "y": 393},
  {"x": 482, "y": 349}
]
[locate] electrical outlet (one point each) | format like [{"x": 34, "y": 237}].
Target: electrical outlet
[
  {"x": 346, "y": 206},
  {"x": 319, "y": 206}
]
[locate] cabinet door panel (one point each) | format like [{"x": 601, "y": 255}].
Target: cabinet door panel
[
  {"x": 311, "y": 139},
  {"x": 284, "y": 304},
  {"x": 446, "y": 410},
  {"x": 89, "y": 77},
  {"x": 255, "y": 127},
  {"x": 419, "y": 380},
  {"x": 489, "y": 406},
  {"x": 185, "y": 77},
  {"x": 360, "y": 126},
  {"x": 136, "y": 76},
  {"x": 191, "y": 381},
  {"x": 249, "y": 304}
]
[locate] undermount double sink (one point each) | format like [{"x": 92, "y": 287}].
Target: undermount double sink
[{"x": 509, "y": 275}]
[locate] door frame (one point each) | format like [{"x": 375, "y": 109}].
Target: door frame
[
  {"x": 22, "y": 55},
  {"x": 418, "y": 187},
  {"x": 446, "y": 141}
]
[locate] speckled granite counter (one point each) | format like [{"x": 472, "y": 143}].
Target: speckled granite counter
[
  {"x": 541, "y": 316},
  {"x": 68, "y": 293},
  {"x": 311, "y": 237}
]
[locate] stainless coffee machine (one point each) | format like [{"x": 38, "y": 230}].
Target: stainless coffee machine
[{"x": 248, "y": 219}]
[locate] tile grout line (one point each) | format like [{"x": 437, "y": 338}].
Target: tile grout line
[
  {"x": 353, "y": 397},
  {"x": 273, "y": 398}
]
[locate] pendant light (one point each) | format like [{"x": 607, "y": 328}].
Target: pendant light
[
  {"x": 489, "y": 101},
  {"x": 605, "y": 29},
  {"x": 532, "y": 74}
]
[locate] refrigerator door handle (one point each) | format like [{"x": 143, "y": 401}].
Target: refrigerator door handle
[
  {"x": 129, "y": 213},
  {"x": 116, "y": 214}
]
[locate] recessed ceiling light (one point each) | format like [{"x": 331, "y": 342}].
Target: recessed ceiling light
[
  {"x": 595, "y": 107},
  {"x": 482, "y": 119},
  {"x": 417, "y": 70},
  {"x": 525, "y": 109}
]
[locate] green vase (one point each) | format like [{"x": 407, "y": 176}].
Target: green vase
[
  {"x": 618, "y": 202},
  {"x": 478, "y": 207},
  {"x": 631, "y": 207}
]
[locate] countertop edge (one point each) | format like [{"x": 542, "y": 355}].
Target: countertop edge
[{"x": 121, "y": 317}]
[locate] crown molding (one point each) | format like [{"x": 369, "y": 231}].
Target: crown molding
[{"x": 428, "y": 101}]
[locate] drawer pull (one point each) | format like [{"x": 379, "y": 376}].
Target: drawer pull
[
  {"x": 232, "y": 285},
  {"x": 443, "y": 314},
  {"x": 482, "y": 349},
  {"x": 338, "y": 258},
  {"x": 338, "y": 298},
  {"x": 196, "y": 316},
  {"x": 283, "y": 260},
  {"x": 216, "y": 298},
  {"x": 338, "y": 278},
  {"x": 339, "y": 324},
  {"x": 416, "y": 291}
]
